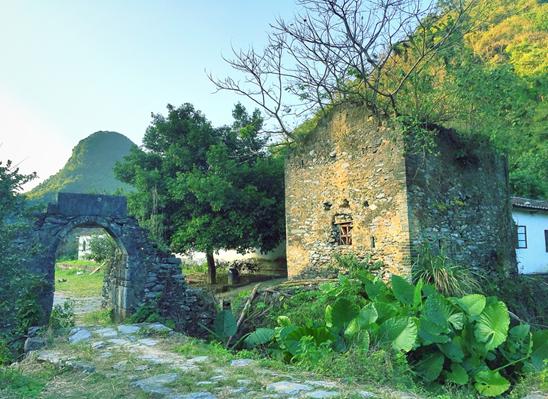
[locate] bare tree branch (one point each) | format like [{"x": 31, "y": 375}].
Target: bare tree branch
[{"x": 337, "y": 51}]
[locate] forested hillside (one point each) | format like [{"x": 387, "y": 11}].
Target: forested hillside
[
  {"x": 89, "y": 169},
  {"x": 493, "y": 82}
]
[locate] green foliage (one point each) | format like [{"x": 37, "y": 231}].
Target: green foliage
[
  {"x": 103, "y": 248},
  {"x": 448, "y": 277},
  {"x": 102, "y": 317},
  {"x": 147, "y": 313},
  {"x": 259, "y": 337},
  {"x": 490, "y": 83},
  {"x": 89, "y": 169},
  {"x": 205, "y": 188},
  {"x": 464, "y": 340},
  {"x": 16, "y": 384},
  {"x": 62, "y": 316},
  {"x": 19, "y": 289},
  {"x": 224, "y": 325}
]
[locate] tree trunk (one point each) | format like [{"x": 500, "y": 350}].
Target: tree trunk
[{"x": 211, "y": 271}]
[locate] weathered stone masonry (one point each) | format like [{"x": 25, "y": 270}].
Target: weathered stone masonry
[
  {"x": 145, "y": 274},
  {"x": 352, "y": 172}
]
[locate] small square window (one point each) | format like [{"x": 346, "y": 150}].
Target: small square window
[
  {"x": 345, "y": 233},
  {"x": 546, "y": 240},
  {"x": 522, "y": 237}
]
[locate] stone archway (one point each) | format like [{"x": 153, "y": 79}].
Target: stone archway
[{"x": 142, "y": 275}]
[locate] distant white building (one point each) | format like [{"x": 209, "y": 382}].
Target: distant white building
[
  {"x": 531, "y": 218},
  {"x": 84, "y": 245}
]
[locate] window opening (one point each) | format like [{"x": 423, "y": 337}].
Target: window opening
[
  {"x": 522, "y": 237},
  {"x": 345, "y": 233}
]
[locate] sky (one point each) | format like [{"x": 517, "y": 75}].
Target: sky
[{"x": 70, "y": 68}]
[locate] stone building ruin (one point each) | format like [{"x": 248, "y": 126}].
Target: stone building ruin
[
  {"x": 351, "y": 187},
  {"x": 144, "y": 276}
]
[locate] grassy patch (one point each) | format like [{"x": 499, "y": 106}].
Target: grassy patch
[
  {"x": 102, "y": 317},
  {"x": 77, "y": 281},
  {"x": 16, "y": 384}
]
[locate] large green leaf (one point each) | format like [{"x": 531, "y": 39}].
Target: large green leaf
[
  {"x": 457, "y": 375},
  {"x": 417, "y": 294},
  {"x": 283, "y": 321},
  {"x": 453, "y": 349},
  {"x": 376, "y": 289},
  {"x": 225, "y": 324},
  {"x": 353, "y": 329},
  {"x": 289, "y": 338},
  {"x": 387, "y": 310},
  {"x": 473, "y": 304},
  {"x": 438, "y": 310},
  {"x": 539, "y": 356},
  {"x": 260, "y": 336},
  {"x": 457, "y": 320},
  {"x": 400, "y": 332},
  {"x": 429, "y": 367},
  {"x": 343, "y": 312},
  {"x": 431, "y": 333},
  {"x": 492, "y": 325},
  {"x": 491, "y": 383},
  {"x": 368, "y": 315},
  {"x": 519, "y": 344},
  {"x": 328, "y": 316},
  {"x": 403, "y": 290}
]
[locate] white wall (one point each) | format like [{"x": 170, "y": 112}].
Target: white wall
[
  {"x": 231, "y": 255},
  {"x": 534, "y": 258}
]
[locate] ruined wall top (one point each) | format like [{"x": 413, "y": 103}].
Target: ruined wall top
[{"x": 71, "y": 204}]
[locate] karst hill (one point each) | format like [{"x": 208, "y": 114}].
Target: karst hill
[{"x": 89, "y": 169}]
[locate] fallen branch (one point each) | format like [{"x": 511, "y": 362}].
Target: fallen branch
[
  {"x": 95, "y": 270},
  {"x": 244, "y": 311}
]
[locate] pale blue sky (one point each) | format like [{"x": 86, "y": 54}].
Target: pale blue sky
[{"x": 70, "y": 68}]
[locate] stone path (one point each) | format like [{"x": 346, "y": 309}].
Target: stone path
[
  {"x": 81, "y": 305},
  {"x": 158, "y": 363}
]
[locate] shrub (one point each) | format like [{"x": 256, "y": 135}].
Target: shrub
[
  {"x": 464, "y": 340},
  {"x": 448, "y": 277},
  {"x": 103, "y": 249},
  {"x": 62, "y": 316}
]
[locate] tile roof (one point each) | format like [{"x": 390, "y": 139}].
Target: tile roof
[{"x": 520, "y": 202}]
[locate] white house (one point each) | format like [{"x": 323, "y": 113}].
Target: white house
[
  {"x": 84, "y": 245},
  {"x": 531, "y": 218}
]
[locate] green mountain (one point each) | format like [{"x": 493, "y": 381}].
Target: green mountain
[{"x": 89, "y": 169}]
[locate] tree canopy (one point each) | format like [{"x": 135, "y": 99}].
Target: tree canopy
[
  {"x": 479, "y": 66},
  {"x": 205, "y": 188}
]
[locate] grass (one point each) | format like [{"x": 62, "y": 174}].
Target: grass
[
  {"x": 102, "y": 317},
  {"x": 76, "y": 280},
  {"x": 16, "y": 384}
]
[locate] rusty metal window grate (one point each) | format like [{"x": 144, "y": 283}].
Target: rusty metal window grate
[{"x": 345, "y": 233}]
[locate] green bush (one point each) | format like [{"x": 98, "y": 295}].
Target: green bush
[
  {"x": 464, "y": 340},
  {"x": 62, "y": 316},
  {"x": 103, "y": 248},
  {"x": 448, "y": 277}
]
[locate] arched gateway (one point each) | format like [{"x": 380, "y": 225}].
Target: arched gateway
[{"x": 145, "y": 274}]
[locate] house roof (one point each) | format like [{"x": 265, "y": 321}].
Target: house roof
[{"x": 521, "y": 202}]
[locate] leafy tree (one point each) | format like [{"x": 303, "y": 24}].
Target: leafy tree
[
  {"x": 103, "y": 248},
  {"x": 205, "y": 188},
  {"x": 17, "y": 289}
]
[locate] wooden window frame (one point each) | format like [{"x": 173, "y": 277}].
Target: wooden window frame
[
  {"x": 345, "y": 233},
  {"x": 521, "y": 237}
]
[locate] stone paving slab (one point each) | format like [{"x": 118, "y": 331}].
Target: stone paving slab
[{"x": 148, "y": 366}]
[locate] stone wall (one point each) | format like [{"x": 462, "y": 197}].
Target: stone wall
[
  {"x": 348, "y": 169},
  {"x": 459, "y": 203},
  {"x": 144, "y": 276}
]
